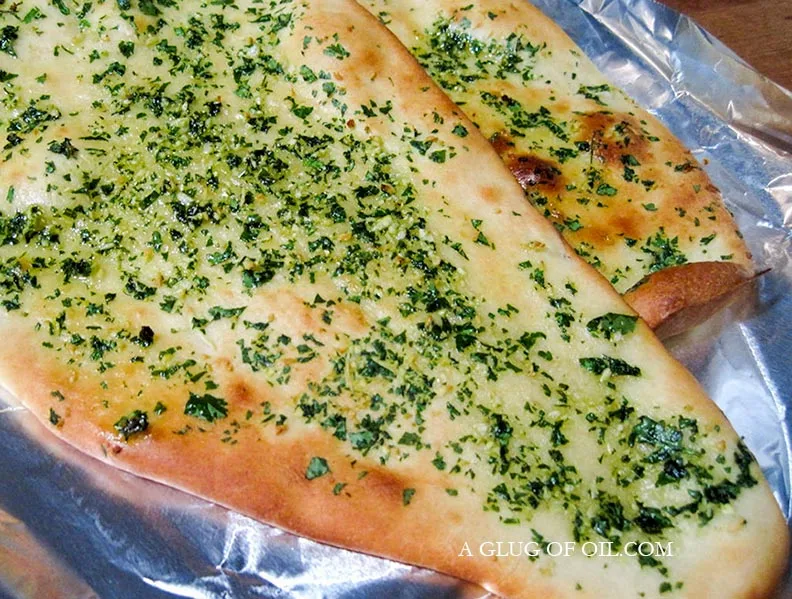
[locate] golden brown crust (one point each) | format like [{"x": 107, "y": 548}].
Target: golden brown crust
[{"x": 680, "y": 297}]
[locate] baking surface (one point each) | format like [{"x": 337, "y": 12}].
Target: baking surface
[{"x": 757, "y": 30}]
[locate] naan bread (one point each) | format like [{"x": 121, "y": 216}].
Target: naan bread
[
  {"x": 621, "y": 189},
  {"x": 250, "y": 251}
]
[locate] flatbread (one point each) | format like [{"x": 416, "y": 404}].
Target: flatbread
[
  {"x": 248, "y": 252},
  {"x": 621, "y": 189}
]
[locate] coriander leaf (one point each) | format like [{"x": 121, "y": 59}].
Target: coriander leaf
[
  {"x": 208, "y": 407},
  {"x": 126, "y": 48},
  {"x": 316, "y": 468},
  {"x": 617, "y": 366},
  {"x": 606, "y": 190},
  {"x": 8, "y": 35},
  {"x": 64, "y": 148},
  {"x": 147, "y": 7},
  {"x": 611, "y": 324},
  {"x": 336, "y": 51},
  {"x": 651, "y": 520}
]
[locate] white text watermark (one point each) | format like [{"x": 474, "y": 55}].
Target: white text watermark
[{"x": 533, "y": 549}]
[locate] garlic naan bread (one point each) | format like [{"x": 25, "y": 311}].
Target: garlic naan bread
[
  {"x": 622, "y": 190},
  {"x": 250, "y": 251}
]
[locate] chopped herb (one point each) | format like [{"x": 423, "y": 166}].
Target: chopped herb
[
  {"x": 606, "y": 190},
  {"x": 666, "y": 438},
  {"x": 64, "y": 10},
  {"x": 126, "y": 48},
  {"x": 133, "y": 424},
  {"x": 592, "y": 92},
  {"x": 64, "y": 147},
  {"x": 208, "y": 407},
  {"x": 75, "y": 268},
  {"x": 168, "y": 303},
  {"x": 316, "y": 467},
  {"x": 336, "y": 51},
  {"x": 149, "y": 8},
  {"x": 616, "y": 366},
  {"x": 482, "y": 239},
  {"x": 651, "y": 520},
  {"x": 138, "y": 290},
  {"x": 611, "y": 324},
  {"x": 664, "y": 251},
  {"x": 438, "y": 156},
  {"x": 218, "y": 312},
  {"x": 8, "y": 35},
  {"x": 301, "y": 112}
]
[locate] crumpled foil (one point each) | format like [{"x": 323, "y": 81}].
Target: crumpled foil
[{"x": 73, "y": 527}]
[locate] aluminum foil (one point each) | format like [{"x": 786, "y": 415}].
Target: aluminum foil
[{"x": 73, "y": 527}]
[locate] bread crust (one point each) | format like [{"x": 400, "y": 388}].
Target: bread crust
[
  {"x": 262, "y": 471},
  {"x": 680, "y": 297},
  {"x": 268, "y": 483},
  {"x": 674, "y": 199}
]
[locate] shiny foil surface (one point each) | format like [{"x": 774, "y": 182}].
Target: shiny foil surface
[{"x": 73, "y": 527}]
